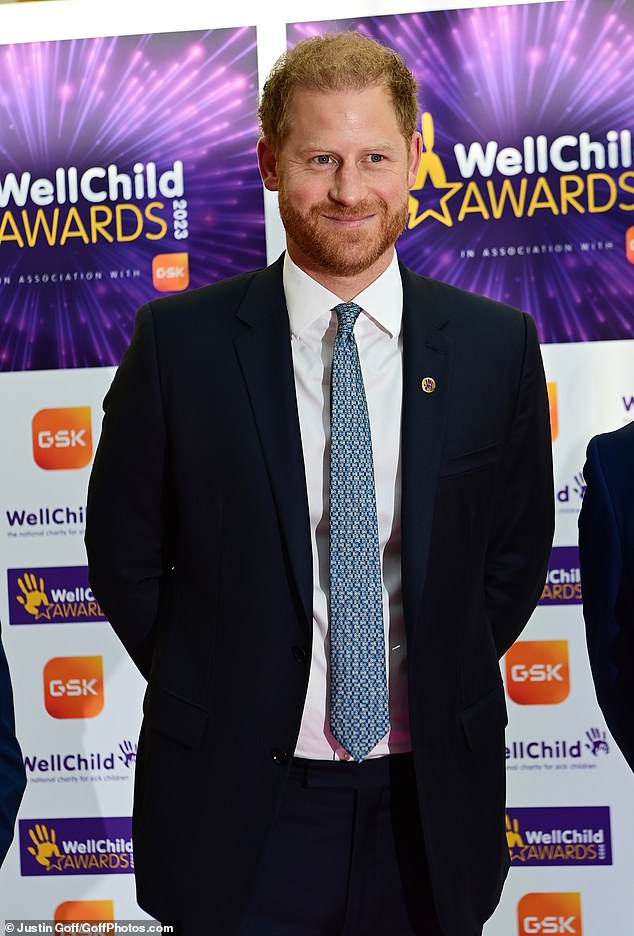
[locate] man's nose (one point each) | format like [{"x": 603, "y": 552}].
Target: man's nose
[{"x": 348, "y": 186}]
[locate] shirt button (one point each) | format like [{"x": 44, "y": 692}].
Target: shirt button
[
  {"x": 279, "y": 755},
  {"x": 300, "y": 654}
]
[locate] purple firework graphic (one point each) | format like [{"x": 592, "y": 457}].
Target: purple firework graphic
[
  {"x": 127, "y": 171},
  {"x": 526, "y": 187}
]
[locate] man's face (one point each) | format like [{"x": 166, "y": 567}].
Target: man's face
[{"x": 343, "y": 174}]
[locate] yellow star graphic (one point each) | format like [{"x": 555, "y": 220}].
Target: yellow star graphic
[
  {"x": 44, "y": 611},
  {"x": 55, "y": 863},
  {"x": 441, "y": 213}
]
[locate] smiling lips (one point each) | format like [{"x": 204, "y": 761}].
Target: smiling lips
[
  {"x": 348, "y": 219},
  {"x": 361, "y": 212}
]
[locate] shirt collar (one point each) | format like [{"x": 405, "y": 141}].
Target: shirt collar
[{"x": 307, "y": 300}]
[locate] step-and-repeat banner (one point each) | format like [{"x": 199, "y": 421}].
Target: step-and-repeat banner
[{"x": 127, "y": 171}]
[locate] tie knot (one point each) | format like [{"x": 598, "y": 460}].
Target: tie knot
[{"x": 347, "y": 314}]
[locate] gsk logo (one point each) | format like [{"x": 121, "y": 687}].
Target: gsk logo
[
  {"x": 629, "y": 244},
  {"x": 84, "y": 910},
  {"x": 550, "y": 914},
  {"x": 62, "y": 438},
  {"x": 552, "y": 406},
  {"x": 73, "y": 687},
  {"x": 537, "y": 672},
  {"x": 170, "y": 272}
]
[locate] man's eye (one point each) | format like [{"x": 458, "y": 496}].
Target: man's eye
[
  {"x": 375, "y": 157},
  {"x": 322, "y": 160}
]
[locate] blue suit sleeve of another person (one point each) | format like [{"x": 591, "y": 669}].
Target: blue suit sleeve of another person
[
  {"x": 12, "y": 776},
  {"x": 606, "y": 555}
]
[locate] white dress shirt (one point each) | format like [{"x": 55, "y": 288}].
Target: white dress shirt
[{"x": 379, "y": 339}]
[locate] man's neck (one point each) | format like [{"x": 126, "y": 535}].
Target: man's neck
[{"x": 345, "y": 287}]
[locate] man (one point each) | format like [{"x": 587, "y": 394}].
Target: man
[
  {"x": 606, "y": 555},
  {"x": 12, "y": 775},
  {"x": 298, "y": 769}
]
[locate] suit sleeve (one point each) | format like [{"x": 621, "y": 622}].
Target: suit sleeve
[
  {"x": 125, "y": 529},
  {"x": 607, "y": 602},
  {"x": 12, "y": 779},
  {"x": 523, "y": 517}
]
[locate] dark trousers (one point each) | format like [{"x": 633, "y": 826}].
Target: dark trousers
[{"x": 346, "y": 855}]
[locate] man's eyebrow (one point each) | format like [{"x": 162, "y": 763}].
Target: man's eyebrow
[{"x": 316, "y": 147}]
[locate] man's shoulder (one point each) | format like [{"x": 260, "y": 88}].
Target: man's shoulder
[
  {"x": 617, "y": 444},
  {"x": 610, "y": 465},
  {"x": 224, "y": 295},
  {"x": 455, "y": 298}
]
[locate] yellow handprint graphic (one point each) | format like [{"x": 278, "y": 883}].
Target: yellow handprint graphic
[
  {"x": 513, "y": 834},
  {"x": 33, "y": 597},
  {"x": 46, "y": 851}
]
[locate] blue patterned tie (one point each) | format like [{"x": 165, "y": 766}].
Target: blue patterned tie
[{"x": 359, "y": 713}]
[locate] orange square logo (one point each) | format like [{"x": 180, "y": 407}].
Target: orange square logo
[
  {"x": 552, "y": 406},
  {"x": 62, "y": 438},
  {"x": 629, "y": 244},
  {"x": 170, "y": 272},
  {"x": 537, "y": 672},
  {"x": 84, "y": 911},
  {"x": 549, "y": 913},
  {"x": 73, "y": 687}
]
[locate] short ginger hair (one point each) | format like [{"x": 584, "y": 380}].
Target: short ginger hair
[{"x": 338, "y": 61}]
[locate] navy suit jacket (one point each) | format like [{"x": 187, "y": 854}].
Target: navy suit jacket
[
  {"x": 12, "y": 777},
  {"x": 606, "y": 553},
  {"x": 199, "y": 551}
]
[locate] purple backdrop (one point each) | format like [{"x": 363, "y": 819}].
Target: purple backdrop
[
  {"x": 522, "y": 85},
  {"x": 139, "y": 145}
]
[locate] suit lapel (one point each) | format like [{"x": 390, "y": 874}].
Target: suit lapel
[
  {"x": 264, "y": 354},
  {"x": 427, "y": 353}
]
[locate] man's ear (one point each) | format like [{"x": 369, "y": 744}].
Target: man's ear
[
  {"x": 415, "y": 152},
  {"x": 267, "y": 162}
]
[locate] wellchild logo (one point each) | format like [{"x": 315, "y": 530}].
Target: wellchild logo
[
  {"x": 563, "y": 581},
  {"x": 567, "y": 836},
  {"x": 570, "y": 495},
  {"x": 82, "y": 766},
  {"x": 73, "y": 687},
  {"x": 423, "y": 205},
  {"x": 101, "y": 204},
  {"x": 49, "y": 521},
  {"x": 537, "y": 754},
  {"x": 127, "y": 753},
  {"x": 537, "y": 672},
  {"x": 51, "y": 595},
  {"x": 628, "y": 402},
  {"x": 560, "y": 176},
  {"x": 62, "y": 438},
  {"x": 550, "y": 914},
  {"x": 96, "y": 845},
  {"x": 96, "y": 185}
]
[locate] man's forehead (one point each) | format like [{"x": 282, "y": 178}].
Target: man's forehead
[
  {"x": 337, "y": 109},
  {"x": 308, "y": 92}
]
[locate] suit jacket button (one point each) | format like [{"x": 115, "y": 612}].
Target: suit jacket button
[
  {"x": 300, "y": 654},
  {"x": 279, "y": 755}
]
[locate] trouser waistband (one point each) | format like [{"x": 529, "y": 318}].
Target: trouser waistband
[{"x": 374, "y": 772}]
